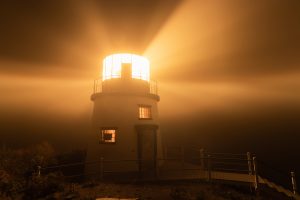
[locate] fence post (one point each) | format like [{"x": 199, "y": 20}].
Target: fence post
[
  {"x": 256, "y": 181},
  {"x": 294, "y": 185},
  {"x": 249, "y": 163},
  {"x": 209, "y": 167},
  {"x": 39, "y": 171},
  {"x": 249, "y": 160},
  {"x": 202, "y": 158},
  {"x": 101, "y": 167},
  {"x": 182, "y": 157}
]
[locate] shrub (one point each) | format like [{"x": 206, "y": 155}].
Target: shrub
[
  {"x": 41, "y": 186},
  {"x": 18, "y": 166}
]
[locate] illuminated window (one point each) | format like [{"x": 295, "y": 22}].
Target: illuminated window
[
  {"x": 108, "y": 135},
  {"x": 145, "y": 112}
]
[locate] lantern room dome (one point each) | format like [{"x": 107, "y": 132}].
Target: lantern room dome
[{"x": 112, "y": 66}]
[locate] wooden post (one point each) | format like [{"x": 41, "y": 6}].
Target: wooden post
[
  {"x": 294, "y": 185},
  {"x": 209, "y": 167},
  {"x": 256, "y": 178},
  {"x": 202, "y": 159},
  {"x": 101, "y": 167},
  {"x": 182, "y": 157}
]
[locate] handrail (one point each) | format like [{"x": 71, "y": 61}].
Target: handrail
[
  {"x": 98, "y": 83},
  {"x": 225, "y": 168}
]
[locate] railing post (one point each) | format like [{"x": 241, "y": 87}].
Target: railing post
[
  {"x": 202, "y": 158},
  {"x": 249, "y": 163},
  {"x": 101, "y": 167},
  {"x": 95, "y": 86},
  {"x": 209, "y": 167},
  {"x": 182, "y": 157},
  {"x": 256, "y": 178},
  {"x": 39, "y": 171},
  {"x": 249, "y": 160},
  {"x": 294, "y": 185}
]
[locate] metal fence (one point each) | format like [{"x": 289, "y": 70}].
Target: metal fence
[{"x": 176, "y": 163}]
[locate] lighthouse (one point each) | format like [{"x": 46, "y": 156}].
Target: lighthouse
[{"x": 125, "y": 126}]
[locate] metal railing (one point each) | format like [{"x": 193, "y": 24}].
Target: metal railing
[
  {"x": 210, "y": 165},
  {"x": 98, "y": 83},
  {"x": 153, "y": 87}
]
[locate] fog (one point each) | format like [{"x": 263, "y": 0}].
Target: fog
[{"x": 228, "y": 71}]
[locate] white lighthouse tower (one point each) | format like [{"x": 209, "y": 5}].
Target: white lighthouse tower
[{"x": 125, "y": 132}]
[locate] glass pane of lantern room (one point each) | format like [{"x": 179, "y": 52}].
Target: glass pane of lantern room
[
  {"x": 107, "y": 68},
  {"x": 117, "y": 65},
  {"x": 135, "y": 69},
  {"x": 126, "y": 58},
  {"x": 145, "y": 71}
]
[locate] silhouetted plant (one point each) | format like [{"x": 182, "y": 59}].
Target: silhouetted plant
[
  {"x": 18, "y": 166},
  {"x": 41, "y": 186},
  {"x": 10, "y": 186}
]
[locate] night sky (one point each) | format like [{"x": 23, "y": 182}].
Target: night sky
[{"x": 228, "y": 70}]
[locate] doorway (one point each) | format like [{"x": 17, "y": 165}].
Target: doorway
[{"x": 147, "y": 149}]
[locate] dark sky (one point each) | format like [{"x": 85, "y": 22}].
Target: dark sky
[{"x": 228, "y": 70}]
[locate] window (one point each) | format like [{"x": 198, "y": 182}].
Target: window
[
  {"x": 108, "y": 135},
  {"x": 145, "y": 112}
]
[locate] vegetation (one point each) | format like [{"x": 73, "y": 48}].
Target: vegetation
[{"x": 19, "y": 176}]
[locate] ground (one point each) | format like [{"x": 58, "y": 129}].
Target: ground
[{"x": 164, "y": 190}]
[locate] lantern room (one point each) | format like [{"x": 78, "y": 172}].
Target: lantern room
[{"x": 113, "y": 66}]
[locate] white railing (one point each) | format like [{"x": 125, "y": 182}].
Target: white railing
[{"x": 153, "y": 89}]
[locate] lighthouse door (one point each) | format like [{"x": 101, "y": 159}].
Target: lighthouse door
[{"x": 147, "y": 151}]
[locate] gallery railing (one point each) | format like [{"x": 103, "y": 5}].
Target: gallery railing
[{"x": 153, "y": 88}]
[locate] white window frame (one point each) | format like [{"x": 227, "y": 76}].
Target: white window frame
[{"x": 107, "y": 130}]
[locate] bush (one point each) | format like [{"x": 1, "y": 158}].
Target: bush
[
  {"x": 18, "y": 166},
  {"x": 10, "y": 186},
  {"x": 41, "y": 186}
]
